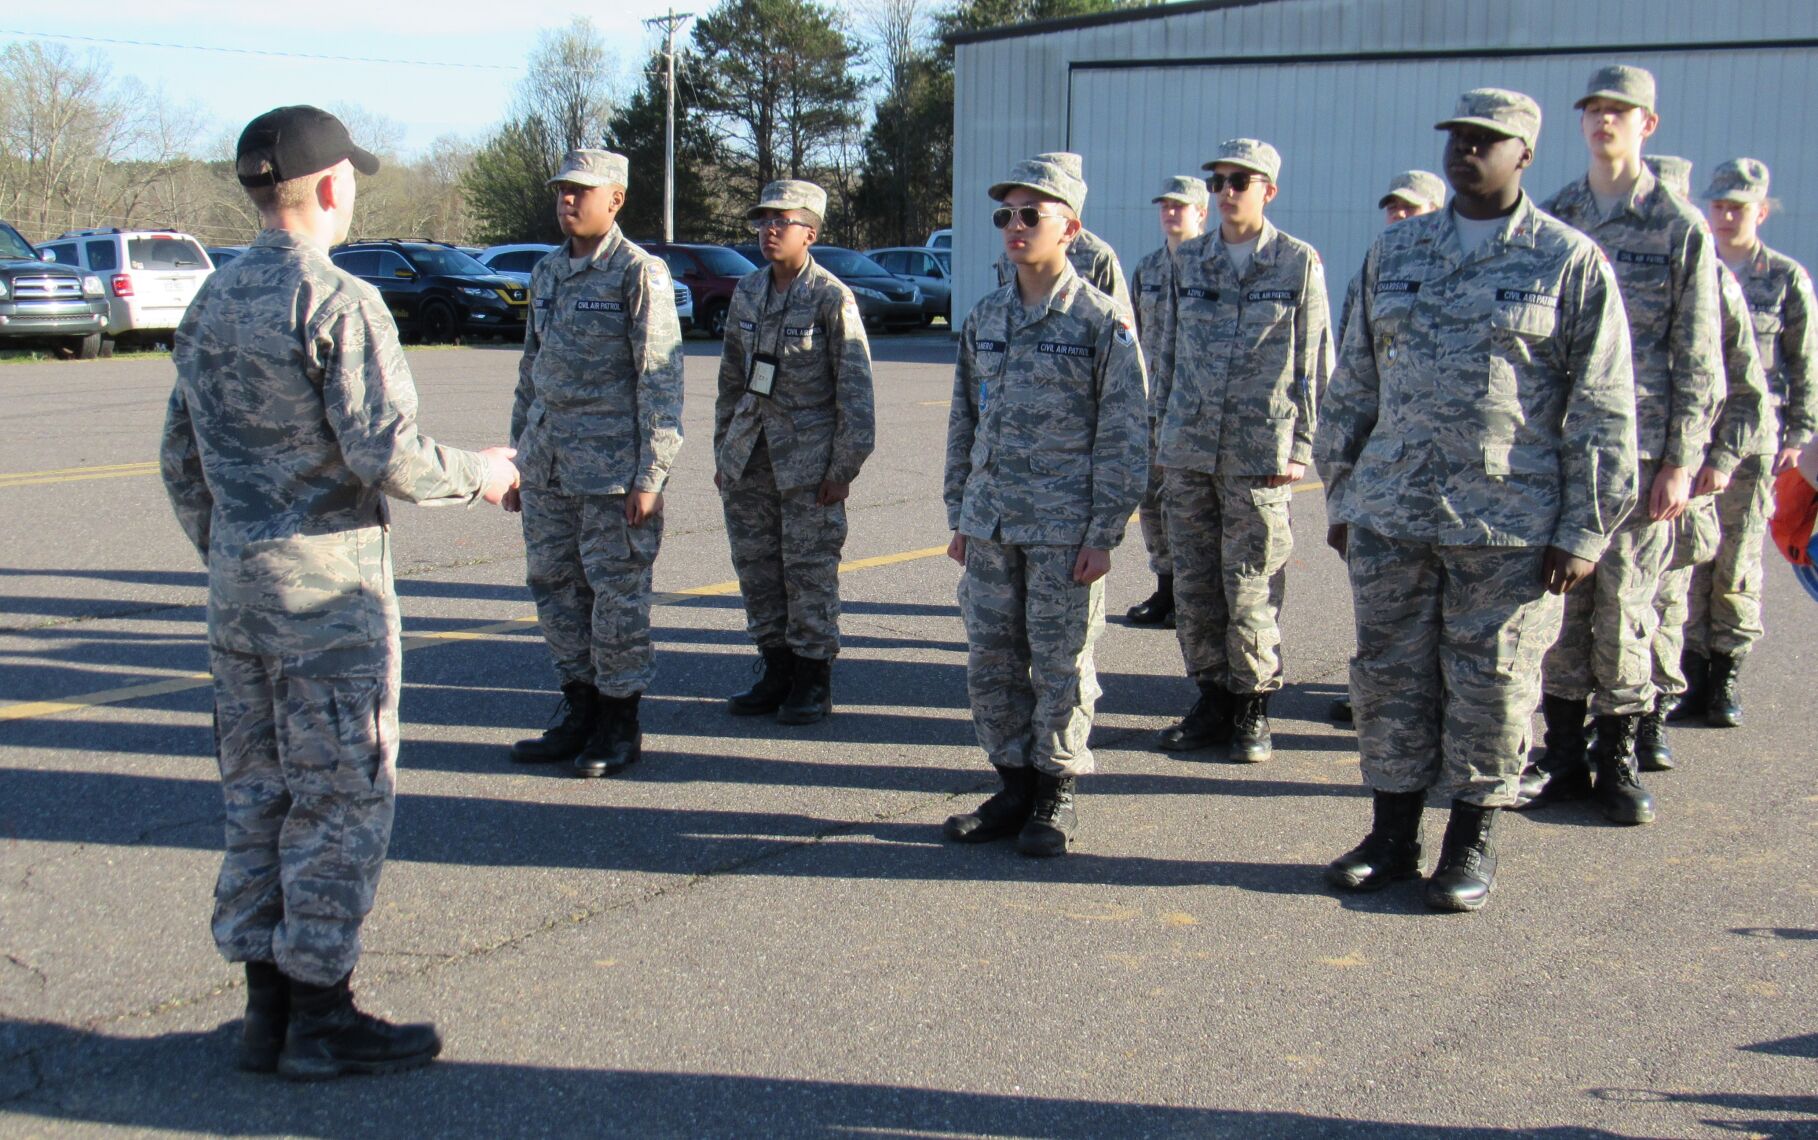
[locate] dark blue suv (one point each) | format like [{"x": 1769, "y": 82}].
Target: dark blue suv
[{"x": 436, "y": 293}]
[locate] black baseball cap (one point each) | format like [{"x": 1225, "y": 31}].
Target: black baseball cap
[{"x": 296, "y": 141}]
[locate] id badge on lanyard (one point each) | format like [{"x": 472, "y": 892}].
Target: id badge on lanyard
[{"x": 762, "y": 381}]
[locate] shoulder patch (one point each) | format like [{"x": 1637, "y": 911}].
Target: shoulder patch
[{"x": 1123, "y": 335}]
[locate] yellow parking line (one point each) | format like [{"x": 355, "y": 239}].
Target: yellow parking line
[
  {"x": 75, "y": 474},
  {"x": 29, "y": 710}
]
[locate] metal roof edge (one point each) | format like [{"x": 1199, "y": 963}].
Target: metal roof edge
[{"x": 1096, "y": 19}]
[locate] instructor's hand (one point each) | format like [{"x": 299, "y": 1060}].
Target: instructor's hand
[
  {"x": 641, "y": 505},
  {"x": 1091, "y": 565},
  {"x": 1710, "y": 481},
  {"x": 1338, "y": 537},
  {"x": 1291, "y": 475},
  {"x": 1560, "y": 570},
  {"x": 956, "y": 549},
  {"x": 1671, "y": 493},
  {"x": 501, "y": 474},
  {"x": 832, "y": 493}
]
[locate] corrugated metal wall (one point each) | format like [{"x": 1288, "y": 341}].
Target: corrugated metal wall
[{"x": 1344, "y": 127}]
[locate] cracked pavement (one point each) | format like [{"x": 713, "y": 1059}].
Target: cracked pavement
[{"x": 758, "y": 931}]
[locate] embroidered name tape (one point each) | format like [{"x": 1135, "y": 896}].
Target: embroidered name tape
[
  {"x": 1199, "y": 294},
  {"x": 1271, "y": 295},
  {"x": 1528, "y": 297},
  {"x": 1056, "y": 348},
  {"x": 543, "y": 302},
  {"x": 586, "y": 305},
  {"x": 1628, "y": 258},
  {"x": 804, "y": 331},
  {"x": 748, "y": 326},
  {"x": 1397, "y": 286},
  {"x": 988, "y": 345},
  {"x": 1144, "y": 287}
]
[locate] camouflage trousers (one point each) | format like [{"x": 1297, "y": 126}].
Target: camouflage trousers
[
  {"x": 1724, "y": 609},
  {"x": 1154, "y": 524},
  {"x": 1030, "y": 629},
  {"x": 589, "y": 573},
  {"x": 786, "y": 550},
  {"x": 1605, "y": 649},
  {"x": 308, "y": 749},
  {"x": 1230, "y": 538},
  {"x": 1447, "y": 670},
  {"x": 1694, "y": 541}
]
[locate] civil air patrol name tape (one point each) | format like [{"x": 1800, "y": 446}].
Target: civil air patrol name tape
[
  {"x": 1628, "y": 258},
  {"x": 587, "y": 305},
  {"x": 1056, "y": 348},
  {"x": 1528, "y": 297}
]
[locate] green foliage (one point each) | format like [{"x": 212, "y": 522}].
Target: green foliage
[
  {"x": 505, "y": 185},
  {"x": 636, "y": 131}
]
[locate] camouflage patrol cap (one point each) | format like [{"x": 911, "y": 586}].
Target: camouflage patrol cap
[
  {"x": 1251, "y": 154},
  {"x": 1185, "y": 189},
  {"x": 791, "y": 194},
  {"x": 1674, "y": 171},
  {"x": 1065, "y": 159},
  {"x": 1508, "y": 113},
  {"x": 1416, "y": 188},
  {"x": 1057, "y": 180},
  {"x": 1739, "y": 180},
  {"x": 590, "y": 167},
  {"x": 1624, "y": 84}
]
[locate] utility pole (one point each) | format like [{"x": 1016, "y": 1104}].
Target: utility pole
[{"x": 669, "y": 25}]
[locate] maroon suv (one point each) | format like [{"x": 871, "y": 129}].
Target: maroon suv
[{"x": 712, "y": 271}]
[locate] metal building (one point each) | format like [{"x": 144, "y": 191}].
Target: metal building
[{"x": 1348, "y": 91}]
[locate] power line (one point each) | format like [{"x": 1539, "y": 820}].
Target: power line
[{"x": 260, "y": 51}]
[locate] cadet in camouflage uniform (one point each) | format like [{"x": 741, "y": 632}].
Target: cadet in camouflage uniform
[
  {"x": 1462, "y": 506},
  {"x": 1046, "y": 450},
  {"x": 597, "y": 421},
  {"x": 1411, "y": 194},
  {"x": 1183, "y": 201},
  {"x": 1744, "y": 435},
  {"x": 292, "y": 419},
  {"x": 1244, "y": 349},
  {"x": 1667, "y": 268},
  {"x": 1094, "y": 260},
  {"x": 1724, "y": 620},
  {"x": 792, "y": 427}
]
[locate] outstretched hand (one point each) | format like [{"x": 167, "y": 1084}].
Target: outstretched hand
[{"x": 501, "y": 477}]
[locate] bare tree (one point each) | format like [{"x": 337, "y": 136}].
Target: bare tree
[{"x": 569, "y": 84}]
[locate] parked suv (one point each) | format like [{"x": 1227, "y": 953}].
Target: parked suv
[
  {"x": 516, "y": 262},
  {"x": 49, "y": 303},
  {"x": 711, "y": 273},
  {"x": 435, "y": 292},
  {"x": 930, "y": 270},
  {"x": 150, "y": 275}
]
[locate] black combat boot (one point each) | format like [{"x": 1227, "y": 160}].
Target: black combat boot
[
  {"x": 1207, "y": 722},
  {"x": 1052, "y": 821},
  {"x": 1158, "y": 608},
  {"x": 811, "y": 694},
  {"x": 1467, "y": 860},
  {"x": 1340, "y": 712},
  {"x": 767, "y": 695},
  {"x": 1001, "y": 815},
  {"x": 1726, "y": 692},
  {"x": 1562, "y": 772},
  {"x": 1390, "y": 852},
  {"x": 1696, "y": 700},
  {"x": 564, "y": 739},
  {"x": 617, "y": 742},
  {"x": 328, "y": 1037},
  {"x": 1652, "y": 752},
  {"x": 1618, "y": 789},
  {"x": 1250, "y": 739},
  {"x": 267, "y": 1014}
]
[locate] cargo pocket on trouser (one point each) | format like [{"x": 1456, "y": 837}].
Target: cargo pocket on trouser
[{"x": 1258, "y": 541}]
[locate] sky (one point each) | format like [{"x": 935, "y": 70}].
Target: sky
[{"x": 484, "y": 46}]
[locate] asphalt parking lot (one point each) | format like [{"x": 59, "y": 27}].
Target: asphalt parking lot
[{"x": 758, "y": 931}]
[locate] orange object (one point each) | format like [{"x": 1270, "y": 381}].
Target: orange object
[{"x": 1795, "y": 513}]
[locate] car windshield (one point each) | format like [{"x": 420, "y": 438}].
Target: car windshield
[
  {"x": 446, "y": 262},
  {"x": 165, "y": 253},
  {"x": 721, "y": 262},
  {"x": 845, "y": 263},
  {"x": 12, "y": 245}
]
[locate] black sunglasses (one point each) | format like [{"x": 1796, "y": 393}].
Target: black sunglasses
[
  {"x": 1029, "y": 216},
  {"x": 1237, "y": 182}
]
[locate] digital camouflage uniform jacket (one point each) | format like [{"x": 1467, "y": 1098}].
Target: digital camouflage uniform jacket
[
  {"x": 1240, "y": 362},
  {"x": 293, "y": 416},
  {"x": 818, "y": 425},
  {"x": 1785, "y": 315},
  {"x": 1092, "y": 258},
  {"x": 598, "y": 409},
  {"x": 1047, "y": 440},
  {"x": 1745, "y": 425},
  {"x": 1446, "y": 418},
  {"x": 1666, "y": 264}
]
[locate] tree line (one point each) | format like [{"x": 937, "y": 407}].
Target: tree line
[{"x": 765, "y": 89}]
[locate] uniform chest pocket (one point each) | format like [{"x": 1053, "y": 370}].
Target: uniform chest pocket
[
  {"x": 1525, "y": 320},
  {"x": 1389, "y": 315},
  {"x": 801, "y": 341}
]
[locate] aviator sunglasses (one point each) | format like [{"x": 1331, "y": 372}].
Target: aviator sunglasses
[
  {"x": 1029, "y": 216},
  {"x": 1237, "y": 182}
]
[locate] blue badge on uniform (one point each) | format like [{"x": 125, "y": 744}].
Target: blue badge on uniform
[{"x": 983, "y": 391}]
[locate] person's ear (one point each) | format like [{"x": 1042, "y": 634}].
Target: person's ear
[
  {"x": 1649, "y": 124},
  {"x": 1270, "y": 189},
  {"x": 1527, "y": 158}
]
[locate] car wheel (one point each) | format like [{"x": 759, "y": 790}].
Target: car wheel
[
  {"x": 716, "y": 319},
  {"x": 106, "y": 348},
  {"x": 80, "y": 347},
  {"x": 436, "y": 322}
]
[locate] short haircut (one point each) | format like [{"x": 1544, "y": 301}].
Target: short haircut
[
  {"x": 291, "y": 194},
  {"x": 812, "y": 218}
]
